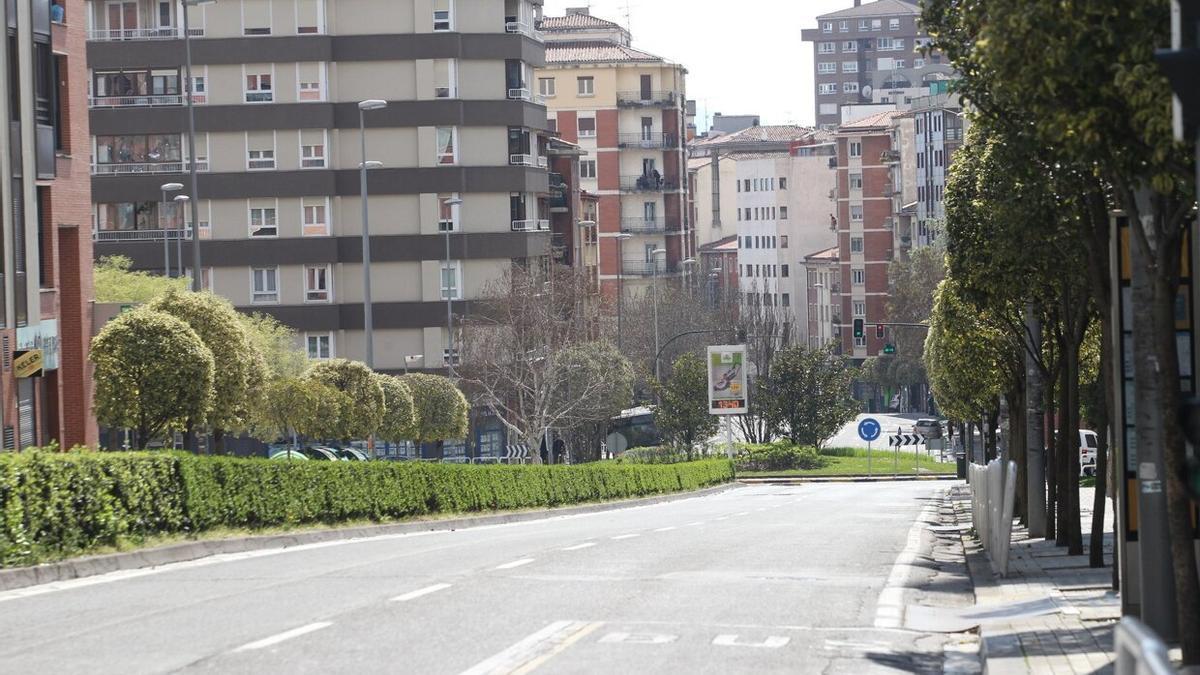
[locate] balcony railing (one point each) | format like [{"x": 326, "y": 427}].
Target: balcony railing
[
  {"x": 646, "y": 184},
  {"x": 512, "y": 26},
  {"x": 889, "y": 156},
  {"x": 139, "y": 101},
  {"x": 146, "y": 168},
  {"x": 170, "y": 234},
  {"x": 649, "y": 141},
  {"x": 168, "y": 33},
  {"x": 641, "y": 225},
  {"x": 643, "y": 268},
  {"x": 531, "y": 226},
  {"x": 646, "y": 99},
  {"x": 528, "y": 160},
  {"x": 525, "y": 94}
]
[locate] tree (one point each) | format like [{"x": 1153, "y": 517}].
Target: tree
[
  {"x": 240, "y": 370},
  {"x": 399, "y": 416},
  {"x": 682, "y": 415},
  {"x": 367, "y": 407},
  {"x": 913, "y": 279},
  {"x": 810, "y": 393},
  {"x": 599, "y": 362},
  {"x": 440, "y": 409},
  {"x": 277, "y": 343},
  {"x": 765, "y": 329},
  {"x": 153, "y": 374},
  {"x": 292, "y": 407},
  {"x": 114, "y": 281}
]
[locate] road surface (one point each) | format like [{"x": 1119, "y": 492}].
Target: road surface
[{"x": 753, "y": 580}]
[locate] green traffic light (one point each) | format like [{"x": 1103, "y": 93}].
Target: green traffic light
[{"x": 889, "y": 349}]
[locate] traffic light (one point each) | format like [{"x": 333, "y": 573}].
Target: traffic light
[
  {"x": 889, "y": 348},
  {"x": 860, "y": 328},
  {"x": 878, "y": 331}
]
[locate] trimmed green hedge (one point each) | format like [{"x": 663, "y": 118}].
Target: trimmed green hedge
[{"x": 57, "y": 505}]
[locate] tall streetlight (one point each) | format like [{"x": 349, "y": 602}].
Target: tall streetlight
[
  {"x": 182, "y": 201},
  {"x": 368, "y": 318},
  {"x": 658, "y": 252},
  {"x": 452, "y": 203},
  {"x": 191, "y": 109},
  {"x": 167, "y": 187},
  {"x": 714, "y": 278},
  {"x": 621, "y": 239}
]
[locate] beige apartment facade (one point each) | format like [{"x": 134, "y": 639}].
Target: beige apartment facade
[
  {"x": 626, "y": 109},
  {"x": 276, "y": 85}
]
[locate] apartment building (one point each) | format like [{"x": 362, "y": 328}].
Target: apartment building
[
  {"x": 627, "y": 109},
  {"x": 868, "y": 49},
  {"x": 45, "y": 252},
  {"x": 712, "y": 180},
  {"x": 461, "y": 147},
  {"x": 719, "y": 269},
  {"x": 823, "y": 275},
  {"x": 865, "y": 225},
  {"x": 924, "y": 140}
]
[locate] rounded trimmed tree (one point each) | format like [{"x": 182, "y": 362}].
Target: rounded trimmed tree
[
  {"x": 359, "y": 383},
  {"x": 441, "y": 409},
  {"x": 399, "y": 413}
]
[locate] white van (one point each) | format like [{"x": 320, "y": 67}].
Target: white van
[{"x": 1089, "y": 444}]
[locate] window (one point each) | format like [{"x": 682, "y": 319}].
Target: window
[
  {"x": 855, "y": 148},
  {"x": 783, "y": 241},
  {"x": 315, "y": 223},
  {"x": 918, "y": 62},
  {"x": 317, "y": 283},
  {"x": 844, "y": 27},
  {"x": 586, "y": 85},
  {"x": 308, "y": 17},
  {"x": 783, "y": 213},
  {"x": 312, "y": 156},
  {"x": 856, "y": 212},
  {"x": 898, "y": 63},
  {"x": 863, "y": 24},
  {"x": 826, "y": 47},
  {"x": 443, "y": 17},
  {"x": 452, "y": 281},
  {"x": 827, "y": 88},
  {"x": 826, "y": 68},
  {"x": 876, "y": 24},
  {"x": 937, "y": 158},
  {"x": 782, "y": 183},
  {"x": 447, "y": 213},
  {"x": 258, "y": 88},
  {"x": 860, "y": 341},
  {"x": 546, "y": 86},
  {"x": 447, "y": 147},
  {"x": 856, "y": 181},
  {"x": 256, "y": 18},
  {"x": 264, "y": 284},
  {"x": 849, "y": 66},
  {"x": 893, "y": 24},
  {"x": 263, "y": 222},
  {"x": 850, "y": 87},
  {"x": 860, "y": 308},
  {"x": 260, "y": 160},
  {"x": 858, "y": 276},
  {"x": 587, "y": 168},
  {"x": 783, "y": 271},
  {"x": 826, "y": 26},
  {"x": 856, "y": 244},
  {"x": 850, "y": 46},
  {"x": 786, "y": 300},
  {"x": 319, "y": 346},
  {"x": 199, "y": 89},
  {"x": 587, "y": 127}
]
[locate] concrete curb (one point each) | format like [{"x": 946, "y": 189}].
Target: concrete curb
[
  {"x": 23, "y": 577},
  {"x": 787, "y": 480}
]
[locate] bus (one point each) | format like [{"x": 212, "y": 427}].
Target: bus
[{"x": 633, "y": 428}]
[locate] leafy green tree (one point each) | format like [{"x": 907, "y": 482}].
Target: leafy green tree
[
  {"x": 613, "y": 381},
  {"x": 440, "y": 408},
  {"x": 153, "y": 374},
  {"x": 293, "y": 406},
  {"x": 682, "y": 414},
  {"x": 358, "y": 382},
  {"x": 277, "y": 343},
  {"x": 240, "y": 370},
  {"x": 399, "y": 416},
  {"x": 115, "y": 281},
  {"x": 810, "y": 393}
]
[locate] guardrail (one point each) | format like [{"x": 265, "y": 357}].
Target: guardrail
[
  {"x": 1139, "y": 650},
  {"x": 993, "y": 489}
]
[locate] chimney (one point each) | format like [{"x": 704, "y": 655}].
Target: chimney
[
  {"x": 857, "y": 3},
  {"x": 583, "y": 11}
]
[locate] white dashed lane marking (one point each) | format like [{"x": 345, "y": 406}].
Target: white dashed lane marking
[
  {"x": 413, "y": 595},
  {"x": 515, "y": 563},
  {"x": 578, "y": 547},
  {"x": 626, "y": 536},
  {"x": 666, "y": 529},
  {"x": 284, "y": 636}
]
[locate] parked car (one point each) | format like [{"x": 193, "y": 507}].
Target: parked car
[
  {"x": 928, "y": 427},
  {"x": 1089, "y": 443},
  {"x": 288, "y": 454}
]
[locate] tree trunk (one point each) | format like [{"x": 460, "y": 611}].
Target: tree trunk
[
  {"x": 1035, "y": 431},
  {"x": 1099, "y": 260},
  {"x": 1071, "y": 443},
  {"x": 219, "y": 441},
  {"x": 993, "y": 421},
  {"x": 1101, "y": 422},
  {"x": 1017, "y": 449},
  {"x": 1051, "y": 463},
  {"x": 1062, "y": 449}
]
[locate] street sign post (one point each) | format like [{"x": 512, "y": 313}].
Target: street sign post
[
  {"x": 728, "y": 385},
  {"x": 869, "y": 430}
]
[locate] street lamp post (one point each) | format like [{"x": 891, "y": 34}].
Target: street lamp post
[
  {"x": 453, "y": 203},
  {"x": 182, "y": 201},
  {"x": 165, "y": 188},
  {"x": 368, "y": 318},
  {"x": 191, "y": 113},
  {"x": 621, "y": 239}
]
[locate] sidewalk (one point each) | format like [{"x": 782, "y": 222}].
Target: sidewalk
[{"x": 1077, "y": 636}]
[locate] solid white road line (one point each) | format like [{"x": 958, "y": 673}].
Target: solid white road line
[
  {"x": 515, "y": 563},
  {"x": 420, "y": 592},
  {"x": 666, "y": 529},
  {"x": 889, "y": 609},
  {"x": 626, "y": 536},
  {"x": 696, "y": 524},
  {"x": 535, "y": 650},
  {"x": 578, "y": 547},
  {"x": 721, "y": 518},
  {"x": 743, "y": 513},
  {"x": 284, "y": 636}
]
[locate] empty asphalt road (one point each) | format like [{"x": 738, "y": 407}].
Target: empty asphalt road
[{"x": 752, "y": 580}]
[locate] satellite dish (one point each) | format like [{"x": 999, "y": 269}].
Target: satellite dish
[{"x": 866, "y": 91}]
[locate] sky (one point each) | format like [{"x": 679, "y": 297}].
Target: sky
[{"x": 743, "y": 58}]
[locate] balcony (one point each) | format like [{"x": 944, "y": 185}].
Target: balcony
[
  {"x": 643, "y": 225},
  {"x": 138, "y": 101},
  {"x": 889, "y": 156},
  {"x": 634, "y": 184},
  {"x": 525, "y": 94},
  {"x": 143, "y": 168},
  {"x": 511, "y": 25},
  {"x": 145, "y": 235},
  {"x": 646, "y": 99},
  {"x": 531, "y": 226},
  {"x": 528, "y": 160},
  {"x": 648, "y": 141},
  {"x": 638, "y": 267},
  {"x": 122, "y": 34}
]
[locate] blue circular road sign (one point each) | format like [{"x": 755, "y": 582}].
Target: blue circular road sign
[{"x": 869, "y": 429}]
